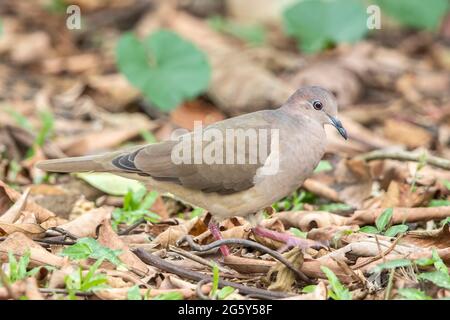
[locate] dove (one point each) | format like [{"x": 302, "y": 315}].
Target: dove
[{"x": 235, "y": 167}]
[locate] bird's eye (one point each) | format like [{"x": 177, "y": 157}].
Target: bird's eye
[{"x": 317, "y": 105}]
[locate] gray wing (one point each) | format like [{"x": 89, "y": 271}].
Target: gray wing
[{"x": 156, "y": 160}]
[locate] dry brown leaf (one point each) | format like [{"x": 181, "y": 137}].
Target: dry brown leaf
[
  {"x": 248, "y": 265},
  {"x": 185, "y": 115},
  {"x": 121, "y": 293},
  {"x": 175, "y": 233},
  {"x": 18, "y": 244},
  {"x": 406, "y": 133},
  {"x": 285, "y": 278},
  {"x": 439, "y": 238},
  {"x": 86, "y": 224},
  {"x": 9, "y": 196},
  {"x": 108, "y": 238}
]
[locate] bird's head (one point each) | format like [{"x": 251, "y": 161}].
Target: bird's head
[{"x": 318, "y": 104}]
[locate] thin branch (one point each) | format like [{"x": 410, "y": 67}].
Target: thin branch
[
  {"x": 405, "y": 156},
  {"x": 132, "y": 227},
  {"x": 246, "y": 243},
  {"x": 164, "y": 265}
]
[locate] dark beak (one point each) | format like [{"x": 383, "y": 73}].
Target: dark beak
[{"x": 338, "y": 125}]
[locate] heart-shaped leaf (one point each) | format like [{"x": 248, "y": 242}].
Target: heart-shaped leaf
[
  {"x": 416, "y": 13},
  {"x": 166, "y": 68},
  {"x": 319, "y": 23}
]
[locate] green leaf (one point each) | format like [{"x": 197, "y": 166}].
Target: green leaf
[
  {"x": 253, "y": 34},
  {"x": 298, "y": 233},
  {"x": 90, "y": 248},
  {"x": 424, "y": 262},
  {"x": 225, "y": 292},
  {"x": 395, "y": 230},
  {"x": 166, "y": 68},
  {"x": 110, "y": 183},
  {"x": 445, "y": 221},
  {"x": 215, "y": 282},
  {"x": 438, "y": 278},
  {"x": 416, "y": 13},
  {"x": 446, "y": 184},
  {"x": 439, "y": 203},
  {"x": 169, "y": 296},
  {"x": 197, "y": 212},
  {"x": 369, "y": 229},
  {"x": 392, "y": 264},
  {"x": 438, "y": 263},
  {"x": 338, "y": 290},
  {"x": 333, "y": 207},
  {"x": 148, "y": 201},
  {"x": 323, "y": 166},
  {"x": 134, "y": 293},
  {"x": 413, "y": 294},
  {"x": 318, "y": 23},
  {"x": 309, "y": 289},
  {"x": 383, "y": 220}
]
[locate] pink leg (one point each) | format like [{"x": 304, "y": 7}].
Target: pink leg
[
  {"x": 288, "y": 240},
  {"x": 214, "y": 228}
]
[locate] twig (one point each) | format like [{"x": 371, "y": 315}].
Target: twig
[
  {"x": 247, "y": 243},
  {"x": 64, "y": 232},
  {"x": 64, "y": 291},
  {"x": 198, "y": 289},
  {"x": 378, "y": 256},
  {"x": 162, "y": 264},
  {"x": 132, "y": 227},
  {"x": 405, "y": 156},
  {"x": 195, "y": 258}
]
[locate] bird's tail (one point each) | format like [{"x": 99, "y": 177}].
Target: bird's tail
[{"x": 77, "y": 164}]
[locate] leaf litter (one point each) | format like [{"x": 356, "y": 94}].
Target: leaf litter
[{"x": 375, "y": 214}]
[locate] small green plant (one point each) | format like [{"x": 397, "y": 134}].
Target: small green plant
[
  {"x": 215, "y": 292},
  {"x": 413, "y": 294},
  {"x": 148, "y": 136},
  {"x": 381, "y": 225},
  {"x": 136, "y": 206},
  {"x": 164, "y": 67},
  {"x": 252, "y": 34},
  {"x": 18, "y": 270},
  {"x": 47, "y": 125},
  {"x": 295, "y": 201},
  {"x": 440, "y": 277},
  {"x": 298, "y": 233},
  {"x": 197, "y": 212},
  {"x": 340, "y": 21},
  {"x": 134, "y": 293},
  {"x": 80, "y": 282},
  {"x": 169, "y": 296},
  {"x": 416, "y": 13},
  {"x": 338, "y": 290},
  {"x": 90, "y": 248}
]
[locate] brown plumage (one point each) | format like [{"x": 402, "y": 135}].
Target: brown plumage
[{"x": 230, "y": 189}]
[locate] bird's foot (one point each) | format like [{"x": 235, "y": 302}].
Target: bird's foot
[
  {"x": 214, "y": 228},
  {"x": 288, "y": 240}
]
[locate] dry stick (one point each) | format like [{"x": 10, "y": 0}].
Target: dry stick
[
  {"x": 405, "y": 156},
  {"x": 195, "y": 258},
  {"x": 247, "y": 243},
  {"x": 198, "y": 289},
  {"x": 64, "y": 291},
  {"x": 162, "y": 264},
  {"x": 132, "y": 227},
  {"x": 378, "y": 256}
]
